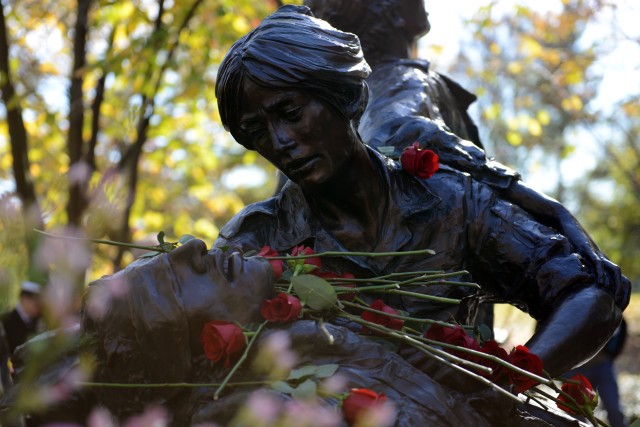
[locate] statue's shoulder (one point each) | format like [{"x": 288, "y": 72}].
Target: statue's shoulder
[{"x": 250, "y": 220}]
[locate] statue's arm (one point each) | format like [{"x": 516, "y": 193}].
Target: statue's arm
[
  {"x": 465, "y": 156},
  {"x": 518, "y": 260},
  {"x": 579, "y": 325}
]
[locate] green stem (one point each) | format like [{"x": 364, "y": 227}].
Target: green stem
[
  {"x": 438, "y": 355},
  {"x": 345, "y": 254},
  {"x": 233, "y": 370},
  {"x": 168, "y": 385},
  {"x": 494, "y": 359},
  {"x": 395, "y": 316},
  {"x": 422, "y": 296},
  {"x": 420, "y": 281},
  {"x": 104, "y": 242},
  {"x": 366, "y": 288},
  {"x": 573, "y": 405}
]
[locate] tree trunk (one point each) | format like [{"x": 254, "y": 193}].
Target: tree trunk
[
  {"x": 78, "y": 171},
  {"x": 19, "y": 151}
]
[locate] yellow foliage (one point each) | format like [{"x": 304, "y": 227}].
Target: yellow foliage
[
  {"x": 495, "y": 48},
  {"x": 543, "y": 117},
  {"x": 531, "y": 46},
  {"x": 153, "y": 220},
  {"x": 201, "y": 192},
  {"x": 224, "y": 204},
  {"x": 48, "y": 68},
  {"x": 35, "y": 169},
  {"x": 205, "y": 229},
  {"x": 514, "y": 67},
  {"x": 240, "y": 24},
  {"x": 534, "y": 128},
  {"x": 492, "y": 112},
  {"x": 198, "y": 173},
  {"x": 573, "y": 103},
  {"x": 574, "y": 76},
  {"x": 157, "y": 195},
  {"x": 632, "y": 108},
  {"x": 120, "y": 37},
  {"x": 514, "y": 138},
  {"x": 6, "y": 161},
  {"x": 250, "y": 157},
  {"x": 552, "y": 57}
]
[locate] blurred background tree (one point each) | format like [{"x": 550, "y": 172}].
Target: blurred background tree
[
  {"x": 109, "y": 127},
  {"x": 545, "y": 110}
]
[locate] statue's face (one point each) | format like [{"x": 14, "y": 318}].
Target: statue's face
[
  {"x": 170, "y": 297},
  {"x": 220, "y": 286},
  {"x": 298, "y": 133},
  {"x": 415, "y": 17}
]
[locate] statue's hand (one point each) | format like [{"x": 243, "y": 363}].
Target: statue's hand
[
  {"x": 452, "y": 150},
  {"x": 607, "y": 274}
]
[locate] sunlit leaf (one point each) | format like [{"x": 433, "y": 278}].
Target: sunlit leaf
[{"x": 315, "y": 292}]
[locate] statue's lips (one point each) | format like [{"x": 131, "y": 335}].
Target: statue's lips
[{"x": 301, "y": 166}]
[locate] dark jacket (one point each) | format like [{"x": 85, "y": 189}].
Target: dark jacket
[
  {"x": 511, "y": 256},
  {"x": 16, "y": 330}
]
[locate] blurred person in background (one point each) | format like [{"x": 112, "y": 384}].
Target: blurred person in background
[{"x": 22, "y": 322}]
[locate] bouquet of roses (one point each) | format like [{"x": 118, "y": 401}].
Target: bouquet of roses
[{"x": 305, "y": 290}]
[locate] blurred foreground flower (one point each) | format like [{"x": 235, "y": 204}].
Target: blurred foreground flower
[{"x": 365, "y": 407}]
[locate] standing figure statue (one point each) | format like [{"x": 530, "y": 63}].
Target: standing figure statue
[
  {"x": 408, "y": 102},
  {"x": 294, "y": 90}
]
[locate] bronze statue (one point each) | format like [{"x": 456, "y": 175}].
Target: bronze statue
[
  {"x": 409, "y": 102},
  {"x": 294, "y": 89},
  {"x": 399, "y": 84}
]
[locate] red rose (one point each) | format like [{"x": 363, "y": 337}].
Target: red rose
[
  {"x": 276, "y": 264},
  {"x": 454, "y": 336},
  {"x": 312, "y": 263},
  {"x": 523, "y": 358},
  {"x": 492, "y": 348},
  {"x": 345, "y": 296},
  {"x": 359, "y": 401},
  {"x": 420, "y": 163},
  {"x": 381, "y": 319},
  {"x": 582, "y": 393},
  {"x": 282, "y": 308},
  {"x": 222, "y": 340}
]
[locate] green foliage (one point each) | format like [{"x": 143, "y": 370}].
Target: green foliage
[
  {"x": 160, "y": 69},
  {"x": 314, "y": 292},
  {"x": 536, "y": 78},
  {"x": 538, "y": 74}
]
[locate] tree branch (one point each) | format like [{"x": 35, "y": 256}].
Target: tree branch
[
  {"x": 130, "y": 159},
  {"x": 19, "y": 152},
  {"x": 90, "y": 155},
  {"x": 78, "y": 179}
]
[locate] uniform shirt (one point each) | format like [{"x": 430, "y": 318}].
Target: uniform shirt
[{"x": 511, "y": 256}]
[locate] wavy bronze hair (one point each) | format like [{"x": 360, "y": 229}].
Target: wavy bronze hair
[{"x": 292, "y": 49}]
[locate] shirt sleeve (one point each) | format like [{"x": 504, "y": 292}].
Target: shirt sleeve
[{"x": 518, "y": 260}]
